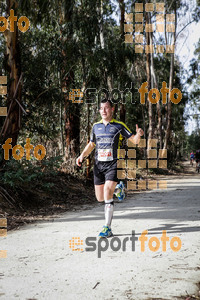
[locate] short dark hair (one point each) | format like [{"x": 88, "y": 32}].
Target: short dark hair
[{"x": 105, "y": 101}]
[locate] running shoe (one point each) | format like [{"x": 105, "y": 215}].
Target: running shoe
[
  {"x": 120, "y": 191},
  {"x": 106, "y": 232}
]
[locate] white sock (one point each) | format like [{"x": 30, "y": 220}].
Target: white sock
[{"x": 109, "y": 207}]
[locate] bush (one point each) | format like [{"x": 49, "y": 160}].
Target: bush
[{"x": 31, "y": 173}]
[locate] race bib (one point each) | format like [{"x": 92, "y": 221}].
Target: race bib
[{"x": 105, "y": 154}]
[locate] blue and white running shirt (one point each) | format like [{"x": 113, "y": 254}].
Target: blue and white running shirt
[{"x": 107, "y": 138}]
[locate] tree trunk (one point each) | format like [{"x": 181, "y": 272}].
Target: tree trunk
[
  {"x": 122, "y": 12},
  {"x": 72, "y": 120},
  {"x": 88, "y": 162},
  {"x": 72, "y": 110},
  {"x": 61, "y": 128},
  {"x": 155, "y": 84},
  {"x": 84, "y": 87},
  {"x": 169, "y": 105},
  {"x": 102, "y": 43},
  {"x": 148, "y": 70},
  {"x": 12, "y": 123}
]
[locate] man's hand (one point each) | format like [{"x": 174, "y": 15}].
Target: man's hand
[
  {"x": 79, "y": 160},
  {"x": 139, "y": 131},
  {"x": 88, "y": 149},
  {"x": 136, "y": 138}
]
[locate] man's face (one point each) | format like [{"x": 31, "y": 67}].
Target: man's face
[{"x": 106, "y": 111}]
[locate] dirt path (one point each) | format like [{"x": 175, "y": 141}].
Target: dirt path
[{"x": 40, "y": 264}]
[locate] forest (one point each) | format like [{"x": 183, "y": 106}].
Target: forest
[{"x": 60, "y": 59}]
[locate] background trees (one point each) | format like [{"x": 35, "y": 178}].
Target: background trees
[{"x": 79, "y": 45}]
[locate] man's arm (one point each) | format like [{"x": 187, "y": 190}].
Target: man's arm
[
  {"x": 136, "y": 138},
  {"x": 87, "y": 150}
]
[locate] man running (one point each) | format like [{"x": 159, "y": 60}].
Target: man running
[
  {"x": 191, "y": 158},
  {"x": 197, "y": 156},
  {"x": 105, "y": 136}
]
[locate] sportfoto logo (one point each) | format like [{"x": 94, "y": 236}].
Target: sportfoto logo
[
  {"x": 3, "y": 233},
  {"x": 117, "y": 96},
  {"x": 116, "y": 244},
  {"x": 164, "y": 23},
  {"x": 9, "y": 24},
  {"x": 18, "y": 150}
]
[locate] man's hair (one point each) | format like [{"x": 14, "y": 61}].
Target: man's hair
[{"x": 105, "y": 101}]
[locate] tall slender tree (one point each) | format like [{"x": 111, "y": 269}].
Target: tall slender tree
[{"x": 12, "y": 122}]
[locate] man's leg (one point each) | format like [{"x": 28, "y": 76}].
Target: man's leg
[
  {"x": 99, "y": 192},
  {"x": 104, "y": 192},
  {"x": 109, "y": 188}
]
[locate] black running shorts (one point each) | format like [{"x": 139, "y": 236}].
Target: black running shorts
[{"x": 104, "y": 171}]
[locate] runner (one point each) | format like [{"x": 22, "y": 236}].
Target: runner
[
  {"x": 105, "y": 136},
  {"x": 197, "y": 156},
  {"x": 191, "y": 158}
]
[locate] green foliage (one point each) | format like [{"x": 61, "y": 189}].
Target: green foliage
[
  {"x": 30, "y": 174},
  {"x": 63, "y": 44},
  {"x": 193, "y": 142}
]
